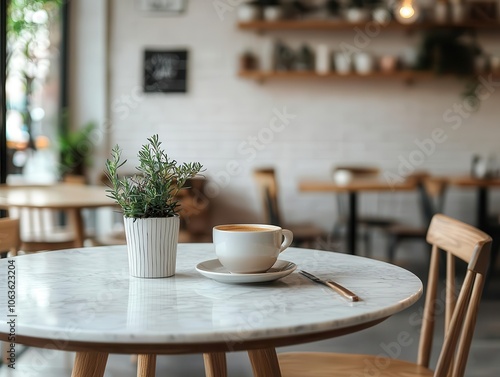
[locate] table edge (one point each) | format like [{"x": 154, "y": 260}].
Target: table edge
[{"x": 188, "y": 348}]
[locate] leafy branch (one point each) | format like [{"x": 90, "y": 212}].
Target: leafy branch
[{"x": 153, "y": 191}]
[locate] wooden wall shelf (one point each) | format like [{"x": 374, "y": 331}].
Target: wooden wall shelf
[
  {"x": 337, "y": 25},
  {"x": 345, "y": 25},
  {"x": 406, "y": 75}
]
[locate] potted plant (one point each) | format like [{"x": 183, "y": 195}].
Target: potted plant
[
  {"x": 455, "y": 52},
  {"x": 75, "y": 149},
  {"x": 150, "y": 207}
]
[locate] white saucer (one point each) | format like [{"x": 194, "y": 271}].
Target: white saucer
[{"x": 214, "y": 270}]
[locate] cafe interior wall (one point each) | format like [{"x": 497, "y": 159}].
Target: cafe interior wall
[{"x": 370, "y": 121}]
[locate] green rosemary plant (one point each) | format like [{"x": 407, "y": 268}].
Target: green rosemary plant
[{"x": 152, "y": 192}]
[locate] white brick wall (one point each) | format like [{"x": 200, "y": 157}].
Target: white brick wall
[{"x": 371, "y": 121}]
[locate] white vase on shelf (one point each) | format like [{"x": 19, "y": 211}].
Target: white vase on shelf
[
  {"x": 248, "y": 13},
  {"x": 363, "y": 63},
  {"x": 273, "y": 13},
  {"x": 322, "y": 60},
  {"x": 267, "y": 56},
  {"x": 356, "y": 15},
  {"x": 343, "y": 63}
]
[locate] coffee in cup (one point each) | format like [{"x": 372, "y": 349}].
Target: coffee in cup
[{"x": 249, "y": 248}]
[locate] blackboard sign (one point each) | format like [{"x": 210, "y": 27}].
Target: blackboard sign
[{"x": 165, "y": 71}]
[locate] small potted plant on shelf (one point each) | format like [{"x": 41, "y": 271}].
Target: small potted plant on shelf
[
  {"x": 150, "y": 207},
  {"x": 75, "y": 149},
  {"x": 453, "y": 52}
]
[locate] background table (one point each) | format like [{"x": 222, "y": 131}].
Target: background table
[
  {"x": 483, "y": 220},
  {"x": 68, "y": 197},
  {"x": 84, "y": 300},
  {"x": 482, "y": 186},
  {"x": 352, "y": 188}
]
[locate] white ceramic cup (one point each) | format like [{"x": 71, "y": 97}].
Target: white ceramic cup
[
  {"x": 343, "y": 63},
  {"x": 248, "y": 12},
  {"x": 363, "y": 63},
  {"x": 342, "y": 177},
  {"x": 273, "y": 13},
  {"x": 381, "y": 15},
  {"x": 249, "y": 248},
  {"x": 355, "y": 15}
]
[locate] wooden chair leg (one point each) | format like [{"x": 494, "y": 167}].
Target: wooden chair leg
[
  {"x": 264, "y": 363},
  {"x": 5, "y": 355},
  {"x": 78, "y": 225},
  {"x": 215, "y": 364},
  {"x": 146, "y": 366},
  {"x": 89, "y": 364}
]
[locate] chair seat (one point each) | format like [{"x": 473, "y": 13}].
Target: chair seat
[
  {"x": 57, "y": 239},
  {"x": 311, "y": 364},
  {"x": 305, "y": 231},
  {"x": 115, "y": 237}
]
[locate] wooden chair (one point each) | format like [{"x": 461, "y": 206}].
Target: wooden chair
[
  {"x": 39, "y": 229},
  {"x": 9, "y": 243},
  {"x": 9, "y": 237},
  {"x": 431, "y": 194},
  {"x": 306, "y": 235},
  {"x": 457, "y": 240}
]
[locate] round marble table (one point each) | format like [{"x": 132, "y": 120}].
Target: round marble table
[{"x": 84, "y": 300}]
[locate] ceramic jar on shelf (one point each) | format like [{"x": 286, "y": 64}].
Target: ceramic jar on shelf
[{"x": 248, "y": 13}]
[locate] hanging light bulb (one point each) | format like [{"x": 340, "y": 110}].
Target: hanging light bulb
[{"x": 406, "y": 12}]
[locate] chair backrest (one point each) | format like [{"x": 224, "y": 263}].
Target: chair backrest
[
  {"x": 457, "y": 240},
  {"x": 9, "y": 235},
  {"x": 39, "y": 228},
  {"x": 432, "y": 194},
  {"x": 45, "y": 229},
  {"x": 268, "y": 190}
]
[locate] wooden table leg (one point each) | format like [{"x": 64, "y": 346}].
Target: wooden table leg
[
  {"x": 89, "y": 364},
  {"x": 146, "y": 366},
  {"x": 482, "y": 208},
  {"x": 79, "y": 227},
  {"x": 215, "y": 364},
  {"x": 264, "y": 363}
]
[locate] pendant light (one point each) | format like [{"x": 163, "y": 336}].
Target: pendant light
[{"x": 406, "y": 12}]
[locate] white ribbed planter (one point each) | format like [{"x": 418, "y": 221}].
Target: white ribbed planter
[{"x": 152, "y": 246}]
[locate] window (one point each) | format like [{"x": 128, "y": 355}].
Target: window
[{"x": 33, "y": 87}]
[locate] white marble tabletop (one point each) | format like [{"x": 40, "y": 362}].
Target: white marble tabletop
[{"x": 87, "y": 295}]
